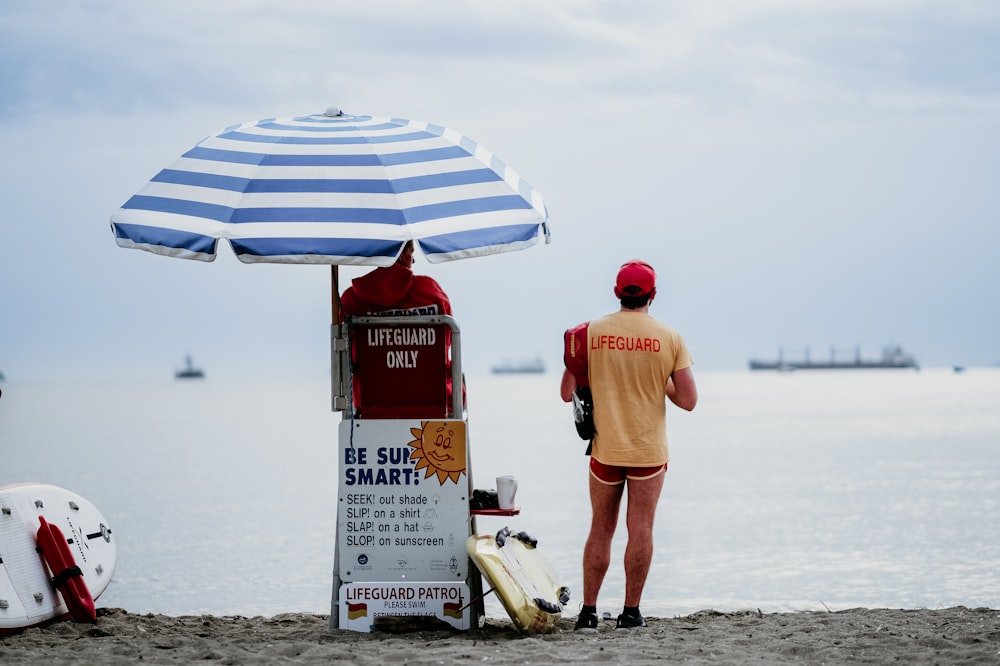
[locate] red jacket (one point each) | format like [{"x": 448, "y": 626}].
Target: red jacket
[{"x": 393, "y": 290}]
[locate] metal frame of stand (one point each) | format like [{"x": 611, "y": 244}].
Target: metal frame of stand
[{"x": 366, "y": 568}]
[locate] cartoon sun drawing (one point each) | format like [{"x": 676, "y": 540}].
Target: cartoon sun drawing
[{"x": 440, "y": 447}]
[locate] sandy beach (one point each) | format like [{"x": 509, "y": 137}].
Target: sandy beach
[{"x": 873, "y": 636}]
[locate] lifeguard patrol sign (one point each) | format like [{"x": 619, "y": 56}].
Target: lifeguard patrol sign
[{"x": 403, "y": 485}]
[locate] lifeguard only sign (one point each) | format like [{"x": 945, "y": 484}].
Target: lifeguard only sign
[
  {"x": 401, "y": 371},
  {"x": 402, "y": 344}
]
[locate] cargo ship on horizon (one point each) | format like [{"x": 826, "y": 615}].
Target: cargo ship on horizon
[
  {"x": 527, "y": 366},
  {"x": 893, "y": 356}
]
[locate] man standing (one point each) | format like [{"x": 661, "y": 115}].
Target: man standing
[{"x": 631, "y": 362}]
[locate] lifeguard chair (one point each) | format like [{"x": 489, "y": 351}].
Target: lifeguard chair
[{"x": 405, "y": 479}]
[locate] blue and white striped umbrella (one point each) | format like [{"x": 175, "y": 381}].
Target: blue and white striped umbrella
[{"x": 334, "y": 188}]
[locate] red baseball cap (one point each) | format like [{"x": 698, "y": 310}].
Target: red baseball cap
[{"x": 635, "y": 273}]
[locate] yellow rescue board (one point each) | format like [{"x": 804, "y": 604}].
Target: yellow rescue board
[{"x": 523, "y": 579}]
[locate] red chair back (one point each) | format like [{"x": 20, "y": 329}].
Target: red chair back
[{"x": 401, "y": 371}]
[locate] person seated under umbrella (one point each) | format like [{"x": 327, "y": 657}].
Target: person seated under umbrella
[{"x": 396, "y": 291}]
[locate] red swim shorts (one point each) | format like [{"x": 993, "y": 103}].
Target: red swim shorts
[{"x": 613, "y": 475}]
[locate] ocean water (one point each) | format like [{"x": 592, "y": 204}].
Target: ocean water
[{"x": 786, "y": 491}]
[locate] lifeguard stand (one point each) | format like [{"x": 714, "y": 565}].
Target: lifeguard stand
[{"x": 405, "y": 477}]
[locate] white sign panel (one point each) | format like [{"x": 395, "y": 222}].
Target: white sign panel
[
  {"x": 361, "y": 603},
  {"x": 403, "y": 506}
]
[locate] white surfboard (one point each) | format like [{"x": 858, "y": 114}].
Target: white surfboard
[
  {"x": 522, "y": 577},
  {"x": 28, "y": 596}
]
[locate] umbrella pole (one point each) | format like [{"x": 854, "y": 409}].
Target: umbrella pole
[{"x": 335, "y": 296}]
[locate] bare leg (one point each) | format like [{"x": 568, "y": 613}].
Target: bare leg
[
  {"x": 604, "y": 503},
  {"x": 642, "y": 498}
]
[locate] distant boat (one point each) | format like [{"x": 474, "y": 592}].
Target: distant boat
[
  {"x": 189, "y": 371},
  {"x": 893, "y": 356},
  {"x": 531, "y": 366}
]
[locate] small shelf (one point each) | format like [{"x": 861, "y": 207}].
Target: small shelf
[{"x": 495, "y": 512}]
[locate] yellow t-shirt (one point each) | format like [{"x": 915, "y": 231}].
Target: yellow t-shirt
[{"x": 630, "y": 357}]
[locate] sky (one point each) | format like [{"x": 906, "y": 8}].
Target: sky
[{"x": 801, "y": 174}]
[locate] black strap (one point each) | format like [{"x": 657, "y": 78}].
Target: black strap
[
  {"x": 69, "y": 572},
  {"x": 548, "y": 606}
]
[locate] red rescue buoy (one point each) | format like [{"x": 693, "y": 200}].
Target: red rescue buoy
[{"x": 66, "y": 575}]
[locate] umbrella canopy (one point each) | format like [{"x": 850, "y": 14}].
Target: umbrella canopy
[{"x": 334, "y": 188}]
